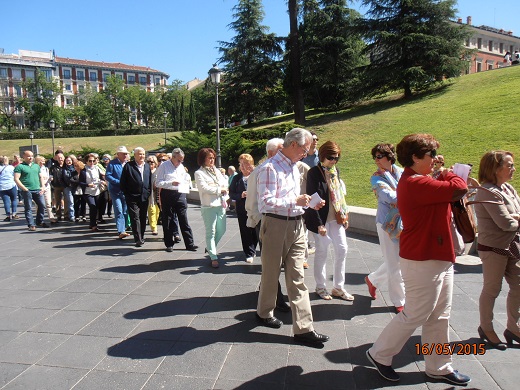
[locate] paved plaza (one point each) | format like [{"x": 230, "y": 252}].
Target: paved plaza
[{"x": 82, "y": 310}]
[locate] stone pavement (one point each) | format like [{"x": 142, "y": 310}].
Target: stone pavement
[{"x": 82, "y": 310}]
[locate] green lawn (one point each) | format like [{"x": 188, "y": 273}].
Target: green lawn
[{"x": 469, "y": 116}]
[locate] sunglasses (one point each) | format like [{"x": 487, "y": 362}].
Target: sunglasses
[
  {"x": 378, "y": 156},
  {"x": 151, "y": 162},
  {"x": 91, "y": 161},
  {"x": 432, "y": 153},
  {"x": 331, "y": 158}
]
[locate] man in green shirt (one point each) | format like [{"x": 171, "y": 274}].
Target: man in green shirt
[{"x": 27, "y": 178}]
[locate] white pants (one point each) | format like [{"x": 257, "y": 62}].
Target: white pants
[
  {"x": 429, "y": 289},
  {"x": 336, "y": 236},
  {"x": 389, "y": 271}
]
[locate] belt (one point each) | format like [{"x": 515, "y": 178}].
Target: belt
[{"x": 285, "y": 218}]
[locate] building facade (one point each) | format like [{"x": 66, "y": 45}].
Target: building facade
[
  {"x": 491, "y": 45},
  {"x": 73, "y": 76}
]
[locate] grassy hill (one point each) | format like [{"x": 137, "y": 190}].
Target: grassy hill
[{"x": 469, "y": 116}]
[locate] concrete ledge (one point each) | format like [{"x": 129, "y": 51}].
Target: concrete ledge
[{"x": 362, "y": 220}]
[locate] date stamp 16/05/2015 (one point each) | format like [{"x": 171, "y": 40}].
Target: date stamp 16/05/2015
[{"x": 450, "y": 349}]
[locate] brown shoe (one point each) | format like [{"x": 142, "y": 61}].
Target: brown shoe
[
  {"x": 123, "y": 235},
  {"x": 305, "y": 265}
]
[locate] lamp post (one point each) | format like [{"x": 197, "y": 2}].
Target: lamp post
[
  {"x": 31, "y": 137},
  {"x": 165, "y": 113},
  {"x": 52, "y": 125},
  {"x": 214, "y": 74}
]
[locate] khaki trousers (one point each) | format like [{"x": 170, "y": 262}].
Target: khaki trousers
[
  {"x": 429, "y": 289},
  {"x": 283, "y": 242},
  {"x": 494, "y": 268}
]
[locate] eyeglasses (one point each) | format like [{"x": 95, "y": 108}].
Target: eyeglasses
[
  {"x": 378, "y": 156},
  {"x": 432, "y": 153},
  {"x": 305, "y": 151},
  {"x": 151, "y": 162},
  {"x": 91, "y": 160},
  {"x": 332, "y": 158}
]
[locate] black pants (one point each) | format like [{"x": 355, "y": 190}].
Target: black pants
[
  {"x": 173, "y": 202},
  {"x": 248, "y": 236},
  {"x": 102, "y": 204},
  {"x": 80, "y": 206},
  {"x": 137, "y": 212},
  {"x": 92, "y": 202}
]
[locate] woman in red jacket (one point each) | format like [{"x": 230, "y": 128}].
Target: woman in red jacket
[{"x": 426, "y": 257}]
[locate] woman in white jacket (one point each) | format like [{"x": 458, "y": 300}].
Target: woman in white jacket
[{"x": 213, "y": 193}]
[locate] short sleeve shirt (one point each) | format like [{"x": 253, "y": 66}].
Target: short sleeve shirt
[{"x": 29, "y": 175}]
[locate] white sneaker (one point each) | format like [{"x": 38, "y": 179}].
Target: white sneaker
[{"x": 250, "y": 259}]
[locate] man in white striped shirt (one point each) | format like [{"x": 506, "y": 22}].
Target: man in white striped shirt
[{"x": 283, "y": 236}]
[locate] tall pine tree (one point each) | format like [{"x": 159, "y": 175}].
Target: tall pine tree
[{"x": 412, "y": 43}]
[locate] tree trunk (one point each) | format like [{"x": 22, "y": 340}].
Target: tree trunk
[{"x": 294, "y": 65}]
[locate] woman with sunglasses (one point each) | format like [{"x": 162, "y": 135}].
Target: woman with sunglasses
[
  {"x": 330, "y": 222},
  {"x": 384, "y": 184},
  {"x": 426, "y": 258},
  {"x": 90, "y": 180}
]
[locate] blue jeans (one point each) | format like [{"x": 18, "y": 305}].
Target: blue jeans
[
  {"x": 10, "y": 199},
  {"x": 69, "y": 201},
  {"x": 28, "y": 197},
  {"x": 120, "y": 212}
]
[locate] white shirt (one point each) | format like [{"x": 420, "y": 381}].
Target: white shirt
[{"x": 167, "y": 173}]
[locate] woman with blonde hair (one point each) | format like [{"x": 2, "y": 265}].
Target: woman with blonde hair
[
  {"x": 498, "y": 244},
  {"x": 238, "y": 192}
]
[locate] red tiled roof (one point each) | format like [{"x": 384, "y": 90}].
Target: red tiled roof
[{"x": 110, "y": 65}]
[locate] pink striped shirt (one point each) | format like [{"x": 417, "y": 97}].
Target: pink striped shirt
[{"x": 278, "y": 186}]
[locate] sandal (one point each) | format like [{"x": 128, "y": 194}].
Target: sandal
[
  {"x": 215, "y": 264},
  {"x": 342, "y": 294},
  {"x": 323, "y": 293}
]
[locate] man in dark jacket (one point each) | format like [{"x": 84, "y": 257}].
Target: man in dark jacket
[{"x": 136, "y": 185}]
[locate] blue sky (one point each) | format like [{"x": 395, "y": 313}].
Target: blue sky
[{"x": 178, "y": 37}]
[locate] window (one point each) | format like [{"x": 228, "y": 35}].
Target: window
[
  {"x": 479, "y": 66},
  {"x": 81, "y": 88},
  {"x": 17, "y": 74},
  {"x": 17, "y": 90},
  {"x": 106, "y": 76},
  {"x": 68, "y": 87},
  {"x": 479, "y": 43},
  {"x": 4, "y": 91},
  {"x": 93, "y": 76},
  {"x": 490, "y": 45},
  {"x": 66, "y": 73},
  {"x": 80, "y": 75},
  {"x": 131, "y": 79},
  {"x": 47, "y": 74},
  {"x": 68, "y": 101},
  {"x": 3, "y": 72},
  {"x": 142, "y": 80},
  {"x": 501, "y": 48},
  {"x": 29, "y": 74},
  {"x": 157, "y": 81},
  {"x": 119, "y": 76}
]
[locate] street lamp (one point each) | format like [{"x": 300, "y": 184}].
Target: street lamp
[
  {"x": 52, "y": 125},
  {"x": 31, "y": 137},
  {"x": 214, "y": 74},
  {"x": 165, "y": 113}
]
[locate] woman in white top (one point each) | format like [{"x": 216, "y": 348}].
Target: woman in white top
[
  {"x": 213, "y": 192},
  {"x": 46, "y": 178},
  {"x": 90, "y": 180}
]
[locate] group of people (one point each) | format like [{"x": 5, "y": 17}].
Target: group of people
[{"x": 298, "y": 190}]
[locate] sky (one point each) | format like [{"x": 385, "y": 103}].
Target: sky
[{"x": 178, "y": 37}]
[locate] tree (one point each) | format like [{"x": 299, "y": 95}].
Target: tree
[
  {"x": 113, "y": 90},
  {"x": 411, "y": 44},
  {"x": 331, "y": 51},
  {"x": 251, "y": 62},
  {"x": 99, "y": 111},
  {"x": 293, "y": 48}
]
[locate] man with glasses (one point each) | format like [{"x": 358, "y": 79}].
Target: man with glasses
[
  {"x": 136, "y": 184},
  {"x": 27, "y": 178},
  {"x": 113, "y": 176},
  {"x": 283, "y": 237},
  {"x": 173, "y": 181}
]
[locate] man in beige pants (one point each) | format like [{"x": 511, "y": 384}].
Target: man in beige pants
[{"x": 283, "y": 237}]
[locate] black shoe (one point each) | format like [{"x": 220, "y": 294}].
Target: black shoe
[
  {"x": 271, "y": 322},
  {"x": 169, "y": 249},
  {"x": 500, "y": 345},
  {"x": 282, "y": 306},
  {"x": 7, "y": 219},
  {"x": 454, "y": 377},
  {"x": 176, "y": 239},
  {"x": 510, "y": 337},
  {"x": 43, "y": 225},
  {"x": 311, "y": 338},
  {"x": 386, "y": 372},
  {"x": 192, "y": 248},
  {"x": 139, "y": 244}
]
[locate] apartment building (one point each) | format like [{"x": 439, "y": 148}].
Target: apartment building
[
  {"x": 72, "y": 74},
  {"x": 491, "y": 45}
]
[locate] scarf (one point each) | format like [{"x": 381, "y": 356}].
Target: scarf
[
  {"x": 390, "y": 179},
  {"x": 337, "y": 190}
]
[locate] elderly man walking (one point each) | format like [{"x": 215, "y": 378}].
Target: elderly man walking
[
  {"x": 136, "y": 185},
  {"x": 283, "y": 236},
  {"x": 27, "y": 178},
  {"x": 113, "y": 176}
]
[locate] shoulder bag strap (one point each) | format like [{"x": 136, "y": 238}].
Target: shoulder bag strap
[{"x": 499, "y": 202}]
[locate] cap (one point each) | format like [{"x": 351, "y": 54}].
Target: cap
[{"x": 122, "y": 149}]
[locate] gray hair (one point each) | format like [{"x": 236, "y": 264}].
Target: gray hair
[
  {"x": 273, "y": 144},
  {"x": 139, "y": 149},
  {"x": 298, "y": 135},
  {"x": 177, "y": 151}
]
